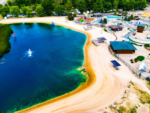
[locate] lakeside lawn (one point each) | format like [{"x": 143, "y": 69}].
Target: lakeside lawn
[{"x": 5, "y": 32}]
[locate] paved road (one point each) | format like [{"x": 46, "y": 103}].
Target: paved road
[{"x": 3, "y": 2}]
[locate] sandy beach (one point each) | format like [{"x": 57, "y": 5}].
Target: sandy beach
[{"x": 104, "y": 86}]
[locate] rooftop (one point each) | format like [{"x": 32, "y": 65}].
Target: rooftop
[
  {"x": 141, "y": 25},
  {"x": 122, "y": 45}
]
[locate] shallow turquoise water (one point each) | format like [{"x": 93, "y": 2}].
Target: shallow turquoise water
[{"x": 52, "y": 71}]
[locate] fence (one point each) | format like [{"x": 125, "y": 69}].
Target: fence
[
  {"x": 129, "y": 66},
  {"x": 123, "y": 61},
  {"x": 115, "y": 36}
]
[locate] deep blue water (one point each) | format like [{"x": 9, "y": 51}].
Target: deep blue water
[{"x": 51, "y": 72}]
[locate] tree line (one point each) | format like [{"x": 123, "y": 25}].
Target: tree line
[{"x": 47, "y": 7}]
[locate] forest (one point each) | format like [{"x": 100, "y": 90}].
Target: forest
[{"x": 47, "y": 7}]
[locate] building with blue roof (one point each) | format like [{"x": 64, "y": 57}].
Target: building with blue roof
[
  {"x": 122, "y": 47},
  {"x": 140, "y": 28}
]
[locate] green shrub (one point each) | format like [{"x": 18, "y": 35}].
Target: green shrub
[
  {"x": 71, "y": 16},
  {"x": 147, "y": 45},
  {"x": 105, "y": 21},
  {"x": 131, "y": 17},
  {"x": 105, "y": 30},
  {"x": 122, "y": 109},
  {"x": 140, "y": 58},
  {"x": 75, "y": 15},
  {"x": 101, "y": 21},
  {"x": 125, "y": 18},
  {"x": 144, "y": 97},
  {"x": 132, "y": 110}
]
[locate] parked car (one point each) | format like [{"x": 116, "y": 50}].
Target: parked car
[{"x": 10, "y": 16}]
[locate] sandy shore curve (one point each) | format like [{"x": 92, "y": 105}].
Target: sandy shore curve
[{"x": 104, "y": 85}]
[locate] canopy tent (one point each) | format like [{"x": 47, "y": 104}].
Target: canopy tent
[
  {"x": 97, "y": 14},
  {"x": 115, "y": 27},
  {"x": 115, "y": 63},
  {"x": 100, "y": 39}
]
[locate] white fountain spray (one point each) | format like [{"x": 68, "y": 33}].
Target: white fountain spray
[{"x": 29, "y": 53}]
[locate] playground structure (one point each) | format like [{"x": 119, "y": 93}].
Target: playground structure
[
  {"x": 53, "y": 24},
  {"x": 85, "y": 19}
]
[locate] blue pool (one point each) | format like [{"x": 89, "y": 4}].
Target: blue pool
[
  {"x": 114, "y": 17},
  {"x": 57, "y": 53}
]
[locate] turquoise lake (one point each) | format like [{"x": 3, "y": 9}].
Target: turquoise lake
[{"x": 57, "y": 53}]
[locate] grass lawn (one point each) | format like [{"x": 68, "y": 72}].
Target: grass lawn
[{"x": 5, "y": 32}]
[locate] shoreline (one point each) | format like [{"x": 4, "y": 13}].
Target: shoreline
[
  {"x": 104, "y": 86},
  {"x": 90, "y": 76}
]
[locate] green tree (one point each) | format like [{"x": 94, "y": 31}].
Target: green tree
[
  {"x": 125, "y": 13},
  {"x": 39, "y": 11},
  {"x": 68, "y": 5},
  {"x": 131, "y": 17},
  {"x": 81, "y": 5},
  {"x": 101, "y": 21},
  {"x": 5, "y": 10},
  {"x": 105, "y": 21},
  {"x": 122, "y": 4},
  {"x": 136, "y": 5},
  {"x": 24, "y": 10},
  {"x": 70, "y": 16},
  {"x": 107, "y": 6},
  {"x": 1, "y": 8},
  {"x": 142, "y": 3},
  {"x": 115, "y": 4},
  {"x": 29, "y": 12},
  {"x": 89, "y": 4},
  {"x": 27, "y": 2},
  {"x": 34, "y": 7},
  {"x": 19, "y": 2},
  {"x": 15, "y": 10},
  {"x": 48, "y": 6},
  {"x": 98, "y": 6},
  {"x": 59, "y": 9},
  {"x": 130, "y": 5},
  {"x": 9, "y": 2},
  {"x": 125, "y": 18}
]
